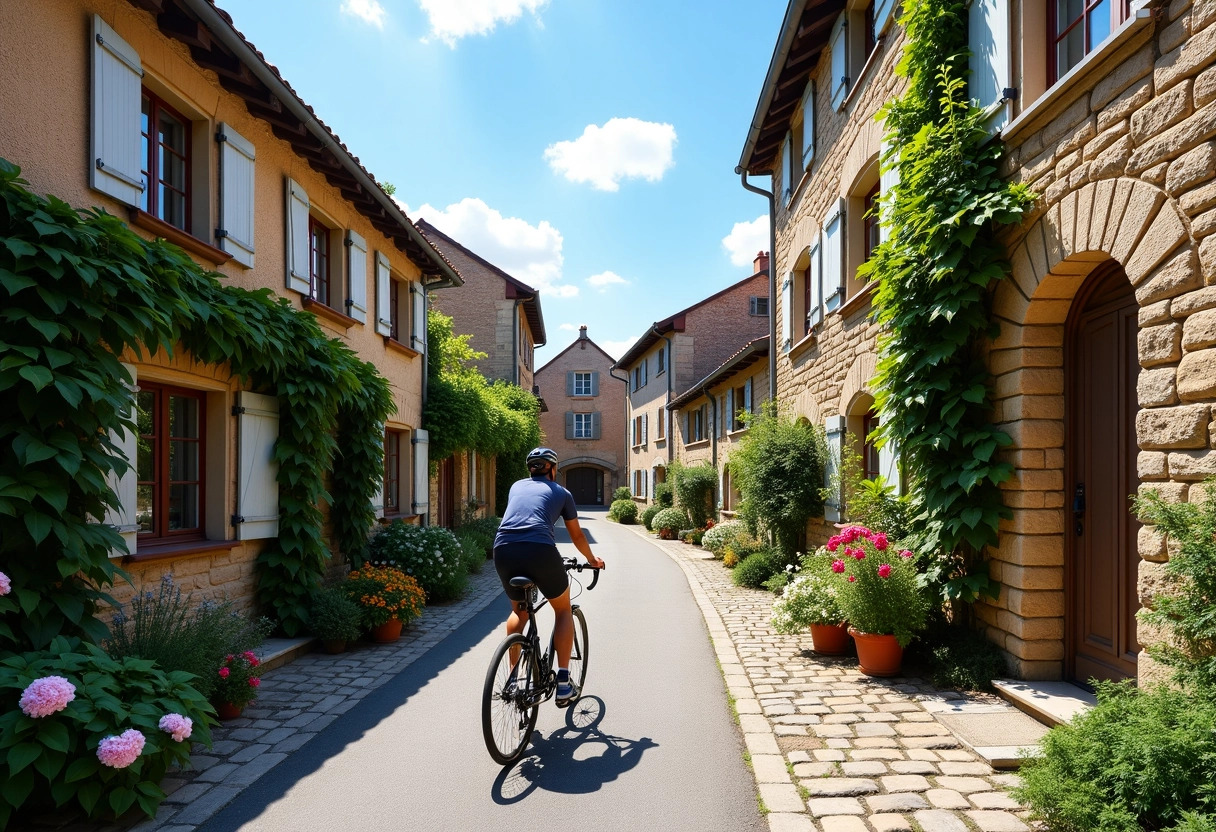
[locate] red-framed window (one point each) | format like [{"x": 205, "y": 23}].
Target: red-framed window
[
  {"x": 1076, "y": 27},
  {"x": 872, "y": 235},
  {"x": 319, "y": 262},
  {"x": 869, "y": 451},
  {"x": 170, "y": 462},
  {"x": 392, "y": 472},
  {"x": 166, "y": 162}
]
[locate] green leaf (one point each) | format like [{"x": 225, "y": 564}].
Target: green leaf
[
  {"x": 121, "y": 799},
  {"x": 22, "y": 755},
  {"x": 81, "y": 767},
  {"x": 54, "y": 735},
  {"x": 36, "y": 375},
  {"x": 88, "y": 795}
]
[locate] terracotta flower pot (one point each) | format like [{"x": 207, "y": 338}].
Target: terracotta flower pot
[
  {"x": 878, "y": 655},
  {"x": 388, "y": 632},
  {"x": 226, "y": 710},
  {"x": 334, "y": 645},
  {"x": 830, "y": 639}
]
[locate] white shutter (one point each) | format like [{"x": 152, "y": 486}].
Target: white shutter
[
  {"x": 990, "y": 62},
  {"x": 787, "y": 311},
  {"x": 835, "y": 428},
  {"x": 814, "y": 274},
  {"x": 787, "y": 159},
  {"x": 808, "y": 126},
  {"x": 299, "y": 272},
  {"x": 378, "y": 497},
  {"x": 833, "y": 257},
  {"x": 882, "y": 15},
  {"x": 257, "y": 505},
  {"x": 645, "y": 428},
  {"x": 418, "y": 307},
  {"x": 356, "y": 270},
  {"x": 384, "y": 321},
  {"x": 747, "y": 396},
  {"x": 646, "y": 483},
  {"x": 124, "y": 518},
  {"x": 116, "y": 168},
  {"x": 888, "y": 465},
  {"x": 237, "y": 201},
  {"x": 422, "y": 471},
  {"x": 887, "y": 182},
  {"x": 839, "y": 83}
]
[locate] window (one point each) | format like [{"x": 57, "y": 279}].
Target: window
[
  {"x": 871, "y": 232},
  {"x": 696, "y": 424},
  {"x": 1076, "y": 27},
  {"x": 582, "y": 384},
  {"x": 640, "y": 376},
  {"x": 662, "y": 425},
  {"x": 869, "y": 451},
  {"x": 392, "y": 472},
  {"x": 169, "y": 462},
  {"x": 661, "y": 360},
  {"x": 583, "y": 425},
  {"x": 394, "y": 311},
  {"x": 871, "y": 36},
  {"x": 639, "y": 430},
  {"x": 319, "y": 262},
  {"x": 758, "y": 306},
  {"x": 166, "y": 162}
]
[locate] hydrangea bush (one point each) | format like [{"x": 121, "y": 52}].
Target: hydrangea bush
[
  {"x": 717, "y": 538},
  {"x": 812, "y": 597},
  {"x": 431, "y": 555}
]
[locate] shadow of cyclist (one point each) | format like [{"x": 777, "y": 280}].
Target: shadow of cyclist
[{"x": 575, "y": 759}]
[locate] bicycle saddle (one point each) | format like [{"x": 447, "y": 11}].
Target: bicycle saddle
[{"x": 521, "y": 582}]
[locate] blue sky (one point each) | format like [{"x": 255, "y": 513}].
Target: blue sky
[{"x": 585, "y": 146}]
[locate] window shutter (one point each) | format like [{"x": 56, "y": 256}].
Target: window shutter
[
  {"x": 645, "y": 427},
  {"x": 839, "y": 88},
  {"x": 747, "y": 396},
  {"x": 833, "y": 257},
  {"x": 418, "y": 332},
  {"x": 814, "y": 274},
  {"x": 235, "y": 234},
  {"x": 687, "y": 427},
  {"x": 888, "y": 465},
  {"x": 808, "y": 126},
  {"x": 787, "y": 311},
  {"x": 384, "y": 321},
  {"x": 422, "y": 471},
  {"x": 298, "y": 270},
  {"x": 595, "y": 383},
  {"x": 257, "y": 505},
  {"x": 124, "y": 518},
  {"x": 645, "y": 372},
  {"x": 356, "y": 268},
  {"x": 569, "y": 424},
  {"x": 115, "y": 137},
  {"x": 988, "y": 38},
  {"x": 646, "y": 483},
  {"x": 378, "y": 497},
  {"x": 570, "y": 383},
  {"x": 787, "y": 155},
  {"x": 730, "y": 409},
  {"x": 882, "y": 15},
  {"x": 835, "y": 427},
  {"x": 888, "y": 179},
  {"x": 595, "y": 425}
]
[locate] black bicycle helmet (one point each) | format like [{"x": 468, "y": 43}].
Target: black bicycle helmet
[{"x": 536, "y": 456}]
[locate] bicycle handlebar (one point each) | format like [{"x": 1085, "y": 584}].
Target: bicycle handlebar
[{"x": 574, "y": 563}]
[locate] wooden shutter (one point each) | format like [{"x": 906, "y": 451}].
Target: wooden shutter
[
  {"x": 834, "y": 429},
  {"x": 787, "y": 311},
  {"x": 124, "y": 518},
  {"x": 378, "y": 497},
  {"x": 882, "y": 15},
  {"x": 990, "y": 62},
  {"x": 808, "y": 126},
  {"x": 646, "y": 483},
  {"x": 257, "y": 505},
  {"x": 595, "y": 425},
  {"x": 645, "y": 371},
  {"x": 595, "y": 383},
  {"x": 787, "y": 156},
  {"x": 730, "y": 409},
  {"x": 384, "y": 320},
  {"x": 570, "y": 383},
  {"x": 839, "y": 81},
  {"x": 116, "y": 144},
  {"x": 645, "y": 427},
  {"x": 299, "y": 272},
  {"x": 569, "y": 424},
  {"x": 356, "y": 269},
  {"x": 418, "y": 332},
  {"x": 833, "y": 257},
  {"x": 237, "y": 200},
  {"x": 887, "y": 182},
  {"x": 422, "y": 471}
]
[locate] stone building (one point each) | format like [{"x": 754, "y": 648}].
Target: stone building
[
  {"x": 585, "y": 419},
  {"x": 247, "y": 180},
  {"x": 672, "y": 355},
  {"x": 1103, "y": 369}
]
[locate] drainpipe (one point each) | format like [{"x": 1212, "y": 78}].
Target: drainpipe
[{"x": 772, "y": 280}]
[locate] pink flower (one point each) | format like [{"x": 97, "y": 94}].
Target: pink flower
[
  {"x": 121, "y": 751},
  {"x": 224, "y": 672},
  {"x": 834, "y": 542},
  {"x": 6, "y": 586},
  {"x": 880, "y": 541},
  {"x": 253, "y": 683},
  {"x": 837, "y": 566},
  {"x": 884, "y": 571},
  {"x": 46, "y": 696},
  {"x": 859, "y": 553},
  {"x": 852, "y": 579},
  {"x": 251, "y": 657},
  {"x": 229, "y": 658},
  {"x": 177, "y": 726},
  {"x": 905, "y": 553}
]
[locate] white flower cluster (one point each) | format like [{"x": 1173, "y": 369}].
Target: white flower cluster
[{"x": 809, "y": 599}]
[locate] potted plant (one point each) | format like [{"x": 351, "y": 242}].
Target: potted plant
[
  {"x": 335, "y": 619},
  {"x": 811, "y": 601},
  {"x": 387, "y": 597},
  {"x": 879, "y": 597},
  {"x": 238, "y": 684}
]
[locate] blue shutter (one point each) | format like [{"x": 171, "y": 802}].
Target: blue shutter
[
  {"x": 839, "y": 82},
  {"x": 808, "y": 126},
  {"x": 814, "y": 274},
  {"x": 882, "y": 15},
  {"x": 833, "y": 257},
  {"x": 835, "y": 428},
  {"x": 787, "y": 311},
  {"x": 990, "y": 62}
]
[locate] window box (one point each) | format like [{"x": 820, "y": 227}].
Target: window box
[{"x": 183, "y": 239}]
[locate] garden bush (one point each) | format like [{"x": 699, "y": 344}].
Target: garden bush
[
  {"x": 77, "y": 726},
  {"x": 1140, "y": 759},
  {"x": 694, "y": 490},
  {"x": 669, "y": 522},
  {"x": 472, "y": 552},
  {"x": 624, "y": 512},
  {"x": 723, "y": 534},
  {"x": 334, "y": 616},
  {"x": 384, "y": 593},
  {"x": 664, "y": 494},
  {"x": 649, "y": 514},
  {"x": 756, "y": 568},
  {"x": 429, "y": 554},
  {"x": 622, "y": 493}
]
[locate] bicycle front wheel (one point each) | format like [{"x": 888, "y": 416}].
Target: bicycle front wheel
[
  {"x": 510, "y": 699},
  {"x": 578, "y": 656}
]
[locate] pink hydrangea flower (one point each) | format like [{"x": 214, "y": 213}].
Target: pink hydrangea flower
[
  {"x": 906, "y": 553},
  {"x": 121, "y": 751},
  {"x": 177, "y": 726},
  {"x": 852, "y": 579},
  {"x": 6, "y": 586},
  {"x": 224, "y": 672},
  {"x": 837, "y": 566},
  {"x": 880, "y": 541},
  {"x": 46, "y": 696},
  {"x": 884, "y": 571},
  {"x": 253, "y": 683}
]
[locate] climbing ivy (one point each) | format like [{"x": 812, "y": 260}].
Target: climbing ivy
[
  {"x": 77, "y": 290},
  {"x": 935, "y": 272}
]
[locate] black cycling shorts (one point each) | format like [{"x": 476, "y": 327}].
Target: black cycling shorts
[{"x": 539, "y": 561}]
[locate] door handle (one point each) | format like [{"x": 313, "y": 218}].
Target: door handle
[{"x": 1078, "y": 507}]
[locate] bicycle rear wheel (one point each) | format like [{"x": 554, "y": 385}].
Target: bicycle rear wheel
[
  {"x": 510, "y": 700},
  {"x": 578, "y": 656}
]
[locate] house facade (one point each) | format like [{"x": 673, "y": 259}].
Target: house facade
[
  {"x": 585, "y": 419},
  {"x": 164, "y": 115},
  {"x": 1102, "y": 369},
  {"x": 672, "y": 355}
]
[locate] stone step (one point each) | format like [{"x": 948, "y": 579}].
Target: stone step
[
  {"x": 1052, "y": 703},
  {"x": 276, "y": 652}
]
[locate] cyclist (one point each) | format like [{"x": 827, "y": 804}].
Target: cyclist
[{"x": 524, "y": 546}]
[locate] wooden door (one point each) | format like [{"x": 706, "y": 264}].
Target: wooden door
[
  {"x": 446, "y": 514},
  {"x": 587, "y": 486},
  {"x": 1102, "y": 554}
]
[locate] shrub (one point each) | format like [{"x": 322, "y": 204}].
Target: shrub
[
  {"x": 649, "y": 514},
  {"x": 669, "y": 521},
  {"x": 624, "y": 512},
  {"x": 429, "y": 554},
  {"x": 238, "y": 679},
  {"x": 53, "y": 759},
  {"x": 695, "y": 536},
  {"x": 334, "y": 616},
  {"x": 694, "y": 490},
  {"x": 811, "y": 598},
  {"x": 384, "y": 593},
  {"x": 622, "y": 493},
  {"x": 879, "y": 592},
  {"x": 1140, "y": 759},
  {"x": 730, "y": 559},
  {"x": 755, "y": 569},
  {"x": 964, "y": 660},
  {"x": 664, "y": 494},
  {"x": 720, "y": 536},
  {"x": 472, "y": 552}
]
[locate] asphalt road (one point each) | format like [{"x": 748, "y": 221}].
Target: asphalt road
[{"x": 655, "y": 747}]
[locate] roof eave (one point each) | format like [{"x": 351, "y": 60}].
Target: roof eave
[{"x": 793, "y": 13}]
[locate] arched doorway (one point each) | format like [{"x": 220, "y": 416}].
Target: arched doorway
[
  {"x": 1101, "y": 555},
  {"x": 586, "y": 484}
]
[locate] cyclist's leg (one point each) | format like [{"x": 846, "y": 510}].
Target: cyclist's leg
[
  {"x": 563, "y": 628},
  {"x": 518, "y": 619}
]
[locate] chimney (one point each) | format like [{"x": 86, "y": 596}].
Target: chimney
[
  {"x": 582, "y": 333},
  {"x": 760, "y": 263}
]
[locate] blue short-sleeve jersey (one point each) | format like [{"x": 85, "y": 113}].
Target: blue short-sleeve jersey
[{"x": 533, "y": 506}]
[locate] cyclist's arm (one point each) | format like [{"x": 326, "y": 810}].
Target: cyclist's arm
[{"x": 580, "y": 542}]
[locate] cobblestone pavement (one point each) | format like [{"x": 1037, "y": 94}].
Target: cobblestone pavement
[
  {"x": 835, "y": 750},
  {"x": 294, "y": 704}
]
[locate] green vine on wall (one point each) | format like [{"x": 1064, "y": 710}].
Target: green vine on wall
[
  {"x": 77, "y": 290},
  {"x": 935, "y": 273}
]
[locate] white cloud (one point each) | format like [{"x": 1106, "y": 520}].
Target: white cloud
[
  {"x": 603, "y": 280},
  {"x": 745, "y": 239},
  {"x": 624, "y": 148},
  {"x": 370, "y": 11},
  {"x": 531, "y": 253},
  {"x": 568, "y": 328},
  {"x": 615, "y": 348},
  {"x": 452, "y": 20}
]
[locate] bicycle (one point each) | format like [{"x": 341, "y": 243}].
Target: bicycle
[{"x": 521, "y": 676}]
